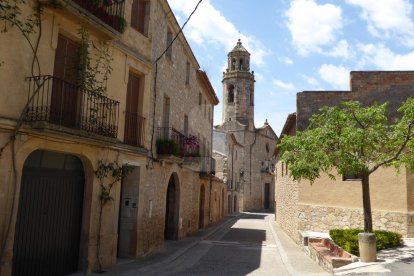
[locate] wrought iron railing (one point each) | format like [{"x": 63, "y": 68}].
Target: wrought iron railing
[
  {"x": 170, "y": 141},
  {"x": 111, "y": 12},
  {"x": 53, "y": 100},
  {"x": 134, "y": 134},
  {"x": 208, "y": 165}
]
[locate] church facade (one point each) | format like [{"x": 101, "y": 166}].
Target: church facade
[{"x": 243, "y": 152}]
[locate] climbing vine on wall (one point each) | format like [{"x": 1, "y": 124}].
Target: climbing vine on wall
[
  {"x": 95, "y": 63},
  {"x": 108, "y": 175}
]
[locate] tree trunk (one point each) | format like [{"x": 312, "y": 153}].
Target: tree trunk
[{"x": 366, "y": 201}]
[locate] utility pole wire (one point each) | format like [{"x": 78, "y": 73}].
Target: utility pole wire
[{"x": 179, "y": 32}]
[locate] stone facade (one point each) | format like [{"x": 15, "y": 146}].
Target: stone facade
[
  {"x": 174, "y": 95},
  {"x": 248, "y": 170},
  {"x": 327, "y": 203},
  {"x": 323, "y": 218}
]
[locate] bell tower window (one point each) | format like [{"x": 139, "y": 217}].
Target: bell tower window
[
  {"x": 241, "y": 64},
  {"x": 233, "y": 64},
  {"x": 231, "y": 93}
]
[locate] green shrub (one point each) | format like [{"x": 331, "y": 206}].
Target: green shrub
[
  {"x": 168, "y": 147},
  {"x": 348, "y": 239}
]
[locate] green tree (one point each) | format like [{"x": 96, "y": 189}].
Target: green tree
[{"x": 352, "y": 139}]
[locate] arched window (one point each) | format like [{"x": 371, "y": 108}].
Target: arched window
[
  {"x": 233, "y": 64},
  {"x": 231, "y": 93},
  {"x": 241, "y": 64}
]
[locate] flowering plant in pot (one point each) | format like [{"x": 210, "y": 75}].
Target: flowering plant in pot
[{"x": 191, "y": 146}]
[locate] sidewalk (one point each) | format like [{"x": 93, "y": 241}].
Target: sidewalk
[{"x": 397, "y": 261}]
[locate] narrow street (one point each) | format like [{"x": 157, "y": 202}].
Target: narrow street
[{"x": 244, "y": 245}]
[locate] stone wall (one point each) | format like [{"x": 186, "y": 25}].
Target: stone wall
[
  {"x": 324, "y": 218},
  {"x": 367, "y": 87},
  {"x": 286, "y": 202}
]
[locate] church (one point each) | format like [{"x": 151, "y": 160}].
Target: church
[{"x": 243, "y": 153}]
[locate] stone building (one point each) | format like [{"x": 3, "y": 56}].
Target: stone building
[
  {"x": 243, "y": 151},
  {"x": 327, "y": 203},
  {"x": 55, "y": 127}
]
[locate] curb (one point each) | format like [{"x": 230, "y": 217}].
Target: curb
[{"x": 281, "y": 250}]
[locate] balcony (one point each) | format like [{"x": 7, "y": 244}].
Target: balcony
[
  {"x": 58, "y": 102},
  {"x": 109, "y": 12},
  {"x": 267, "y": 167},
  {"x": 208, "y": 166},
  {"x": 170, "y": 142},
  {"x": 134, "y": 134}
]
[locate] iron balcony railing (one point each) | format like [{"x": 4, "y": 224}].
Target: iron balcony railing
[
  {"x": 208, "y": 165},
  {"x": 53, "y": 100},
  {"x": 111, "y": 12},
  {"x": 170, "y": 141},
  {"x": 134, "y": 134}
]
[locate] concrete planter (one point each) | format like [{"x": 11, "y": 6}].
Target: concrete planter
[{"x": 367, "y": 247}]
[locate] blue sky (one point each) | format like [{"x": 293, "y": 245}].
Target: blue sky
[{"x": 298, "y": 45}]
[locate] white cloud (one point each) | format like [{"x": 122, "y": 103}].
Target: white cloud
[
  {"x": 285, "y": 86},
  {"x": 313, "y": 26},
  {"x": 310, "y": 80},
  {"x": 209, "y": 27},
  {"x": 258, "y": 77},
  {"x": 337, "y": 76},
  {"x": 287, "y": 60},
  {"x": 385, "y": 59},
  {"x": 386, "y": 18},
  {"x": 340, "y": 50}
]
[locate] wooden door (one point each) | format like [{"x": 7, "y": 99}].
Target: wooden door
[
  {"x": 64, "y": 98},
  {"x": 49, "y": 218},
  {"x": 132, "y": 120},
  {"x": 267, "y": 196}
]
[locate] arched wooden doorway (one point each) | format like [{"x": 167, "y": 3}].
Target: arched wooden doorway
[
  {"x": 171, "y": 210},
  {"x": 235, "y": 204},
  {"x": 49, "y": 218},
  {"x": 201, "y": 207}
]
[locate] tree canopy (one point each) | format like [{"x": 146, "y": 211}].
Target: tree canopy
[{"x": 352, "y": 139}]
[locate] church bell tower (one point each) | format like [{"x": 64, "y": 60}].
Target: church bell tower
[{"x": 238, "y": 87}]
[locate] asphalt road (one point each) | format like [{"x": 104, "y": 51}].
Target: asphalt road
[
  {"x": 245, "y": 247},
  {"x": 247, "y": 244}
]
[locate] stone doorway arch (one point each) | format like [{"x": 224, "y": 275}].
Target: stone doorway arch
[
  {"x": 49, "y": 217},
  {"x": 172, "y": 209},
  {"x": 201, "y": 210}
]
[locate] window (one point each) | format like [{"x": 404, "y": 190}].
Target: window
[
  {"x": 231, "y": 93},
  {"x": 140, "y": 16},
  {"x": 185, "y": 125},
  {"x": 351, "y": 177},
  {"x": 133, "y": 133},
  {"x": 168, "y": 42},
  {"x": 241, "y": 64},
  {"x": 205, "y": 109},
  {"x": 251, "y": 96},
  {"x": 187, "y": 74},
  {"x": 200, "y": 99},
  {"x": 166, "y": 112},
  {"x": 233, "y": 64}
]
